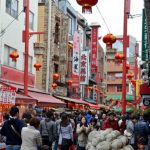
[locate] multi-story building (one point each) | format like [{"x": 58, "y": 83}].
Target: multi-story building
[
  {"x": 114, "y": 74},
  {"x": 51, "y": 48},
  {"x": 12, "y": 24}
]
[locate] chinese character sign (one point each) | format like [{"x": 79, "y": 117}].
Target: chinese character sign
[
  {"x": 7, "y": 95},
  {"x": 84, "y": 67},
  {"x": 94, "y": 49},
  {"x": 94, "y": 93},
  {"x": 76, "y": 59}
]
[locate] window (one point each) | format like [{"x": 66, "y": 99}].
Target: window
[
  {"x": 57, "y": 32},
  {"x": 12, "y": 8},
  {"x": 31, "y": 20},
  {"x": 119, "y": 88},
  {"x": 30, "y": 62},
  {"x": 7, "y": 60},
  {"x": 70, "y": 25},
  {"x": 56, "y": 68}
]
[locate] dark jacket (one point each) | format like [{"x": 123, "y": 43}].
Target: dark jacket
[
  {"x": 142, "y": 131},
  {"x": 11, "y": 137}
]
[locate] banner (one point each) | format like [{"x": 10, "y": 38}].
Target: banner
[
  {"x": 144, "y": 37},
  {"x": 94, "y": 50},
  {"x": 94, "y": 93},
  {"x": 7, "y": 95},
  {"x": 84, "y": 77},
  {"x": 76, "y": 59}
]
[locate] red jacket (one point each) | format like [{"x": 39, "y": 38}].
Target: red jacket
[{"x": 110, "y": 124}]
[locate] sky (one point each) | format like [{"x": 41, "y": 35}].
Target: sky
[{"x": 112, "y": 12}]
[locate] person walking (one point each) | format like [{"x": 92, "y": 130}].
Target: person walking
[
  {"x": 12, "y": 130},
  {"x": 31, "y": 138},
  {"x": 82, "y": 132},
  {"x": 48, "y": 130},
  {"x": 65, "y": 133}
]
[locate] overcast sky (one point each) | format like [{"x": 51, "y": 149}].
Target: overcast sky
[{"x": 112, "y": 11}]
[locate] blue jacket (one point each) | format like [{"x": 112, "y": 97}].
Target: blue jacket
[
  {"x": 89, "y": 118},
  {"x": 142, "y": 129},
  {"x": 11, "y": 137}
]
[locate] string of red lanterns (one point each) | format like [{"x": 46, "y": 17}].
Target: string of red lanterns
[
  {"x": 37, "y": 66},
  {"x": 130, "y": 76},
  {"x": 69, "y": 82},
  {"x": 55, "y": 76}
]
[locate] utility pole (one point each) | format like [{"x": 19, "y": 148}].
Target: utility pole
[
  {"x": 125, "y": 45},
  {"x": 26, "y": 35}
]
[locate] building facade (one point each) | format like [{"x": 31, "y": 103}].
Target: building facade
[{"x": 12, "y": 24}]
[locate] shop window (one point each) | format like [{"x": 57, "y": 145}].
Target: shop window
[
  {"x": 56, "y": 68},
  {"x": 30, "y": 64},
  {"x": 7, "y": 60},
  {"x": 31, "y": 20},
  {"x": 12, "y": 8},
  {"x": 70, "y": 25},
  {"x": 57, "y": 31},
  {"x": 119, "y": 88}
]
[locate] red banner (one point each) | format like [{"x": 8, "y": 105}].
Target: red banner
[
  {"x": 76, "y": 60},
  {"x": 94, "y": 49}
]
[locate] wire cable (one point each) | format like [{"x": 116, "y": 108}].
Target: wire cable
[
  {"x": 103, "y": 18},
  {"x": 4, "y": 30}
]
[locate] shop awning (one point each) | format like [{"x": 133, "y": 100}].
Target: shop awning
[
  {"x": 96, "y": 107},
  {"x": 24, "y": 100},
  {"x": 78, "y": 101},
  {"x": 128, "y": 110},
  {"x": 90, "y": 101},
  {"x": 129, "y": 98},
  {"x": 46, "y": 99}
]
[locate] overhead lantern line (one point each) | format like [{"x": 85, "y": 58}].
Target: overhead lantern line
[{"x": 103, "y": 18}]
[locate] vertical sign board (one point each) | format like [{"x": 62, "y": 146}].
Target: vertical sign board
[
  {"x": 84, "y": 77},
  {"x": 94, "y": 49},
  {"x": 76, "y": 59},
  {"x": 94, "y": 93},
  {"x": 7, "y": 95},
  {"x": 144, "y": 37}
]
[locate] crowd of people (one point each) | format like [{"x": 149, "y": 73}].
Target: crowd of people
[{"x": 48, "y": 130}]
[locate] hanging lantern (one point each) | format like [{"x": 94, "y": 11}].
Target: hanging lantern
[
  {"x": 69, "y": 82},
  {"x": 109, "y": 39},
  {"x": 14, "y": 55},
  {"x": 54, "y": 86},
  {"x": 127, "y": 67},
  {"x": 37, "y": 66},
  {"x": 133, "y": 83},
  {"x": 87, "y": 5},
  {"x": 129, "y": 76},
  {"x": 55, "y": 76},
  {"x": 119, "y": 58}
]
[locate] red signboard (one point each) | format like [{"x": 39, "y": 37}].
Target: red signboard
[
  {"x": 94, "y": 50},
  {"x": 76, "y": 60},
  {"x": 145, "y": 89},
  {"x": 16, "y": 76}
]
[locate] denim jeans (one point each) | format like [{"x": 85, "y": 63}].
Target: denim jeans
[{"x": 13, "y": 147}]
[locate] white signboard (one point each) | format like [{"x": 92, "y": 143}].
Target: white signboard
[{"x": 7, "y": 95}]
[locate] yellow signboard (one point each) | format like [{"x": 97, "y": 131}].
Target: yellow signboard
[{"x": 138, "y": 83}]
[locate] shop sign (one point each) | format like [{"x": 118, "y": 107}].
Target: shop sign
[
  {"x": 94, "y": 49},
  {"x": 7, "y": 95},
  {"x": 94, "y": 93},
  {"x": 76, "y": 59},
  {"x": 145, "y": 46},
  {"x": 84, "y": 78}
]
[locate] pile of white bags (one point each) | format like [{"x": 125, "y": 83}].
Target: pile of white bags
[{"x": 107, "y": 140}]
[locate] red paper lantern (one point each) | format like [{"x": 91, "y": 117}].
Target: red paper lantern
[
  {"x": 129, "y": 76},
  {"x": 133, "y": 83},
  {"x": 127, "y": 67},
  {"x": 69, "y": 82},
  {"x": 87, "y": 5},
  {"x": 37, "y": 66},
  {"x": 54, "y": 86},
  {"x": 119, "y": 57},
  {"x": 14, "y": 55},
  {"x": 55, "y": 76},
  {"x": 109, "y": 39}
]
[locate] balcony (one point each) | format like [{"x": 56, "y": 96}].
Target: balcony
[{"x": 116, "y": 81}]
